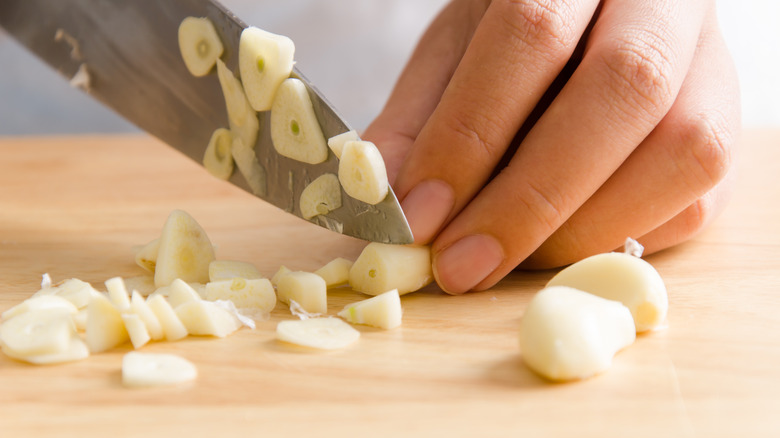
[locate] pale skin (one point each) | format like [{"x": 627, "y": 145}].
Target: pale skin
[{"x": 534, "y": 133}]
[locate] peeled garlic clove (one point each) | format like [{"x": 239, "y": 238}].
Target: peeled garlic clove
[
  {"x": 621, "y": 277},
  {"x": 568, "y": 334}
]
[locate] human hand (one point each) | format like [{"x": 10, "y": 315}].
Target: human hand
[{"x": 534, "y": 133}]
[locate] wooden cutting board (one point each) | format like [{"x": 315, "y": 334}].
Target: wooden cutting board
[{"x": 77, "y": 206}]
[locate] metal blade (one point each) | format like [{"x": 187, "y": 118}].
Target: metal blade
[{"x": 130, "y": 51}]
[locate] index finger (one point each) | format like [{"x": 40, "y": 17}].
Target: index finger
[{"x": 516, "y": 52}]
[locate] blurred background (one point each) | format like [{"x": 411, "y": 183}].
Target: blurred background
[{"x": 353, "y": 51}]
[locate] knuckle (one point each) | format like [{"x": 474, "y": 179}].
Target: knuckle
[
  {"x": 541, "y": 23},
  {"x": 641, "y": 70},
  {"x": 479, "y": 136},
  {"x": 708, "y": 141},
  {"x": 694, "y": 219},
  {"x": 545, "y": 204}
]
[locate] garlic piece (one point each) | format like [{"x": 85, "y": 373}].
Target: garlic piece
[
  {"x": 306, "y": 288},
  {"x": 362, "y": 172},
  {"x": 264, "y": 61},
  {"x": 568, "y": 334},
  {"x": 227, "y": 269},
  {"x": 621, "y": 277},
  {"x": 295, "y": 130},
  {"x": 382, "y": 311},
  {"x": 218, "y": 158},
  {"x": 337, "y": 142},
  {"x": 382, "y": 267},
  {"x": 185, "y": 251},
  {"x": 321, "y": 196},
  {"x": 148, "y": 369},
  {"x": 319, "y": 333},
  {"x": 244, "y": 293},
  {"x": 199, "y": 44},
  {"x": 335, "y": 272}
]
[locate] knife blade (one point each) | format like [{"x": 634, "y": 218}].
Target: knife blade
[{"x": 125, "y": 54}]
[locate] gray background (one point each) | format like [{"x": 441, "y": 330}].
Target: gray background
[{"x": 373, "y": 38}]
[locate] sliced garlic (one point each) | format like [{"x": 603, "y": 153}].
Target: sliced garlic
[
  {"x": 382, "y": 311},
  {"x": 335, "y": 272},
  {"x": 319, "y": 333},
  {"x": 180, "y": 292},
  {"x": 199, "y": 44},
  {"x": 306, "y": 288},
  {"x": 382, "y": 267},
  {"x": 281, "y": 272},
  {"x": 105, "y": 328},
  {"x": 146, "y": 257},
  {"x": 337, "y": 142},
  {"x": 245, "y": 293},
  {"x": 321, "y": 196},
  {"x": 205, "y": 318},
  {"x": 172, "y": 327},
  {"x": 37, "y": 332},
  {"x": 148, "y": 369},
  {"x": 238, "y": 108},
  {"x": 265, "y": 60},
  {"x": 249, "y": 166},
  {"x": 218, "y": 159},
  {"x": 185, "y": 251},
  {"x": 136, "y": 329},
  {"x": 40, "y": 302},
  {"x": 76, "y": 350},
  {"x": 227, "y": 269},
  {"x": 295, "y": 130},
  {"x": 141, "y": 308},
  {"x": 362, "y": 172},
  {"x": 117, "y": 293}
]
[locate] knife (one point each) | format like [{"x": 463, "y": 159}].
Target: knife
[{"x": 125, "y": 54}]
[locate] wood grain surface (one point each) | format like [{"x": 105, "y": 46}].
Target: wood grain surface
[{"x": 76, "y": 207}]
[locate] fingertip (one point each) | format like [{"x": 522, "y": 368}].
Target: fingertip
[
  {"x": 466, "y": 263},
  {"x": 427, "y": 207}
]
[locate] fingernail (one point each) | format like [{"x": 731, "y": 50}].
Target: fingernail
[
  {"x": 426, "y": 208},
  {"x": 467, "y": 262}
]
